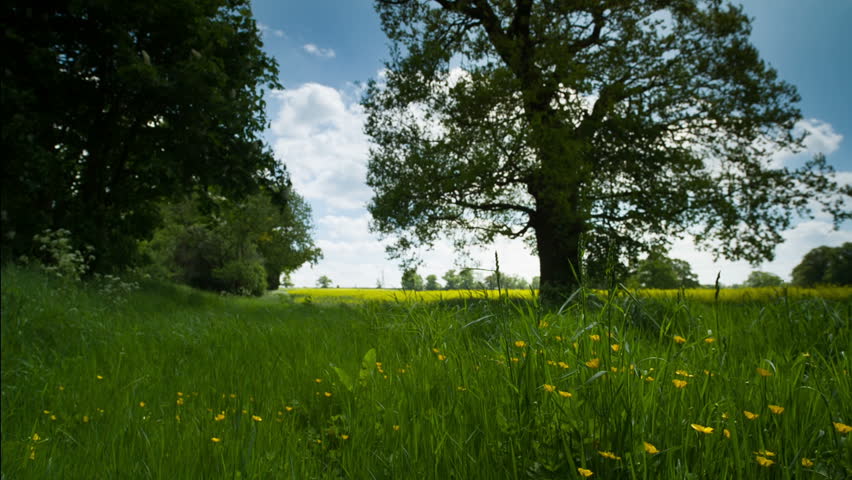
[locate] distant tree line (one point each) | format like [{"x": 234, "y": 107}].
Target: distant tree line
[{"x": 820, "y": 266}]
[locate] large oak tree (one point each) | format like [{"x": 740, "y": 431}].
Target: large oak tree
[{"x": 586, "y": 125}]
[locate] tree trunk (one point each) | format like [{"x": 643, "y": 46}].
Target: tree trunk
[{"x": 558, "y": 229}]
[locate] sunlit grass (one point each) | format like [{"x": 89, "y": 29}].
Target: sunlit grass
[{"x": 173, "y": 383}]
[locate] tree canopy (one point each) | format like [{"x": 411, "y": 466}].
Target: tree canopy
[
  {"x": 763, "y": 279},
  {"x": 657, "y": 270},
  {"x": 110, "y": 107},
  {"x": 825, "y": 266},
  {"x": 615, "y": 124}
]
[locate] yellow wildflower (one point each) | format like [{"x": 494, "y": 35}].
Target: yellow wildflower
[
  {"x": 551, "y": 363},
  {"x": 100, "y": 377},
  {"x": 651, "y": 449},
  {"x": 61, "y": 388},
  {"x": 442, "y": 357},
  {"x": 256, "y": 418},
  {"x": 179, "y": 401},
  {"x": 750, "y": 415},
  {"x": 807, "y": 462},
  {"x": 219, "y": 417},
  {"x": 327, "y": 394},
  {"x": 318, "y": 380},
  {"x": 85, "y": 419},
  {"x": 609, "y": 455},
  {"x": 549, "y": 388},
  {"x": 765, "y": 453},
  {"x": 142, "y": 404},
  {"x": 763, "y": 372},
  {"x": 709, "y": 340},
  {"x": 683, "y": 373},
  {"x": 396, "y": 428},
  {"x": 32, "y": 453},
  {"x": 215, "y": 439},
  {"x": 649, "y": 379},
  {"x": 679, "y": 383},
  {"x": 562, "y": 364},
  {"x": 764, "y": 462},
  {"x": 558, "y": 338},
  {"x": 842, "y": 428},
  {"x": 776, "y": 409},
  {"x": 701, "y": 428},
  {"x": 595, "y": 338},
  {"x": 288, "y": 408},
  {"x": 594, "y": 363},
  {"x": 520, "y": 343},
  {"x": 585, "y": 472},
  {"x": 565, "y": 394},
  {"x": 679, "y": 339},
  {"x": 725, "y": 415},
  {"x": 615, "y": 347},
  {"x": 53, "y": 417},
  {"x": 344, "y": 436},
  {"x": 727, "y": 433},
  {"x": 435, "y": 350},
  {"x": 36, "y": 437}
]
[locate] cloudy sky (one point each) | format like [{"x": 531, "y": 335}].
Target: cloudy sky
[{"x": 327, "y": 50}]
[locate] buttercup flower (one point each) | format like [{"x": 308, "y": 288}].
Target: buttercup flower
[
  {"x": 549, "y": 388},
  {"x": 651, "y": 449},
  {"x": 727, "y": 433},
  {"x": 764, "y": 462},
  {"x": 777, "y": 410},
  {"x": 679, "y": 383},
  {"x": 609, "y": 455},
  {"x": 256, "y": 418},
  {"x": 615, "y": 347},
  {"x": 595, "y": 338},
  {"x": 807, "y": 462},
  {"x": 701, "y": 428},
  {"x": 565, "y": 394},
  {"x": 750, "y": 415},
  {"x": 520, "y": 343},
  {"x": 215, "y": 439},
  {"x": 763, "y": 372},
  {"x": 585, "y": 472},
  {"x": 679, "y": 339},
  {"x": 842, "y": 428},
  {"x": 594, "y": 363}
]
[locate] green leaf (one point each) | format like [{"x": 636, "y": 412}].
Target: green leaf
[
  {"x": 367, "y": 365},
  {"x": 344, "y": 377}
]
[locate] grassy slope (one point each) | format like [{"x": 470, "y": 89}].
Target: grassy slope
[{"x": 451, "y": 395}]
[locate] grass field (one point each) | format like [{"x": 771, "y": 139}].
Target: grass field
[{"x": 167, "y": 382}]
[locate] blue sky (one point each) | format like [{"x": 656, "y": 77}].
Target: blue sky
[{"x": 327, "y": 48}]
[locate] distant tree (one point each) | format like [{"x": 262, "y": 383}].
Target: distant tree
[
  {"x": 451, "y": 280},
  {"x": 763, "y": 279},
  {"x": 467, "y": 280},
  {"x": 657, "y": 270},
  {"x": 110, "y": 107},
  {"x": 825, "y": 266},
  {"x": 552, "y": 120},
  {"x": 536, "y": 283},
  {"x": 432, "y": 283},
  {"x": 324, "y": 282},
  {"x": 507, "y": 282},
  {"x": 411, "y": 280}
]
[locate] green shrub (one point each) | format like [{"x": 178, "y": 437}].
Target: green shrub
[{"x": 243, "y": 277}]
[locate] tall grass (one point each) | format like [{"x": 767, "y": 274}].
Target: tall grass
[{"x": 139, "y": 386}]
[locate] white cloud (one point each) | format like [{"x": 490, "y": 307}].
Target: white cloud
[
  {"x": 319, "y": 52},
  {"x": 820, "y": 138},
  {"x": 798, "y": 241},
  {"x": 318, "y": 135},
  {"x": 264, "y": 29}
]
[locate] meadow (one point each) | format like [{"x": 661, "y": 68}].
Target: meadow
[{"x": 169, "y": 382}]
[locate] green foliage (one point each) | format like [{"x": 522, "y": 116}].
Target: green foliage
[
  {"x": 507, "y": 282},
  {"x": 57, "y": 255},
  {"x": 623, "y": 123},
  {"x": 657, "y": 270},
  {"x": 451, "y": 280},
  {"x": 246, "y": 277},
  {"x": 432, "y": 283},
  {"x": 323, "y": 282},
  {"x": 109, "y": 107},
  {"x": 763, "y": 279},
  {"x": 411, "y": 280},
  {"x": 825, "y": 266},
  {"x": 218, "y": 244}
]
